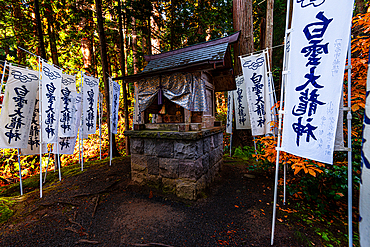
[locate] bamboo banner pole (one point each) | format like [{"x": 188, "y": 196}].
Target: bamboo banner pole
[
  {"x": 349, "y": 126},
  {"x": 110, "y": 121},
  {"x": 280, "y": 121},
  {"x": 100, "y": 116},
  {"x": 2, "y": 78},
  {"x": 82, "y": 122},
  {"x": 40, "y": 121},
  {"x": 20, "y": 173}
]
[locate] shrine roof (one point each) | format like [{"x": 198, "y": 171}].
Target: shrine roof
[{"x": 203, "y": 55}]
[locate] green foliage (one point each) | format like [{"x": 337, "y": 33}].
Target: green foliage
[
  {"x": 5, "y": 211},
  {"x": 331, "y": 185}
]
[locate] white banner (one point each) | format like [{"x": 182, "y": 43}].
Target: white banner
[
  {"x": 67, "y": 102},
  {"x": 242, "y": 120},
  {"x": 257, "y": 88},
  {"x": 90, "y": 104},
  {"x": 318, "y": 45},
  {"x": 365, "y": 173},
  {"x": 230, "y": 108},
  {"x": 51, "y": 86},
  {"x": 33, "y": 146},
  {"x": 17, "y": 109},
  {"x": 115, "y": 105},
  {"x": 67, "y": 144}
]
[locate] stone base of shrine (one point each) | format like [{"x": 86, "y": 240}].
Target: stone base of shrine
[{"x": 182, "y": 163}]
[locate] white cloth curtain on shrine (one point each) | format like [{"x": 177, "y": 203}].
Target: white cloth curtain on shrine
[
  {"x": 257, "y": 86},
  {"x": 17, "y": 108},
  {"x": 67, "y": 106},
  {"x": 33, "y": 145},
  {"x": 67, "y": 144},
  {"x": 51, "y": 86},
  {"x": 116, "y": 88},
  {"x": 184, "y": 89},
  {"x": 318, "y": 44},
  {"x": 90, "y": 104}
]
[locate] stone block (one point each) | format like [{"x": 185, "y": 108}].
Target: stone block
[
  {"x": 169, "y": 185},
  {"x": 138, "y": 163},
  {"x": 215, "y": 156},
  {"x": 220, "y": 138},
  {"x": 150, "y": 147},
  {"x": 212, "y": 142},
  {"x": 168, "y": 168},
  {"x": 207, "y": 144},
  {"x": 201, "y": 183},
  {"x": 205, "y": 162},
  {"x": 152, "y": 165},
  {"x": 164, "y": 148},
  {"x": 138, "y": 177},
  {"x": 186, "y": 189},
  {"x": 190, "y": 169},
  {"x": 153, "y": 180},
  {"x": 218, "y": 166},
  {"x": 136, "y": 146},
  {"x": 188, "y": 149}
]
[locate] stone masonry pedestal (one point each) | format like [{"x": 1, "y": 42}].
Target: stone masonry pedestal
[{"x": 183, "y": 163}]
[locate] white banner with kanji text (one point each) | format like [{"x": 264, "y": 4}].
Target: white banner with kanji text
[
  {"x": 319, "y": 38},
  {"x": 257, "y": 87},
  {"x": 51, "y": 86},
  {"x": 90, "y": 104},
  {"x": 242, "y": 120},
  {"x": 17, "y": 109},
  {"x": 115, "y": 105}
]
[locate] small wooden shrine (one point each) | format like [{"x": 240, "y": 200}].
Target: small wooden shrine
[{"x": 176, "y": 143}]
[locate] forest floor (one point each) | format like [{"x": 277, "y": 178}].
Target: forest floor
[{"x": 100, "y": 206}]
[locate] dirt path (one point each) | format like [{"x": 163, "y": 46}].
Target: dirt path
[{"x": 100, "y": 207}]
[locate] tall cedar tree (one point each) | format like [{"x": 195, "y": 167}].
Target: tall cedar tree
[
  {"x": 243, "y": 21},
  {"x": 104, "y": 61},
  {"x": 122, "y": 63},
  {"x": 39, "y": 30}
]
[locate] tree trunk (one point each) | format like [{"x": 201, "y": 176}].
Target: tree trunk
[
  {"x": 269, "y": 27},
  {"x": 53, "y": 47},
  {"x": 263, "y": 33},
  {"x": 134, "y": 46},
  {"x": 149, "y": 39},
  {"x": 122, "y": 62},
  {"x": 360, "y": 7},
  {"x": 172, "y": 23},
  {"x": 40, "y": 35},
  {"x": 21, "y": 56},
  {"x": 243, "y": 21},
  {"x": 104, "y": 61}
]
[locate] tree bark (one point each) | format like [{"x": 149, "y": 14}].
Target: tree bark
[
  {"x": 104, "y": 61},
  {"x": 243, "y": 21},
  {"x": 40, "y": 35},
  {"x": 122, "y": 63},
  {"x": 269, "y": 27},
  {"x": 21, "y": 56},
  {"x": 360, "y": 7},
  {"x": 172, "y": 23},
  {"x": 134, "y": 46}
]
